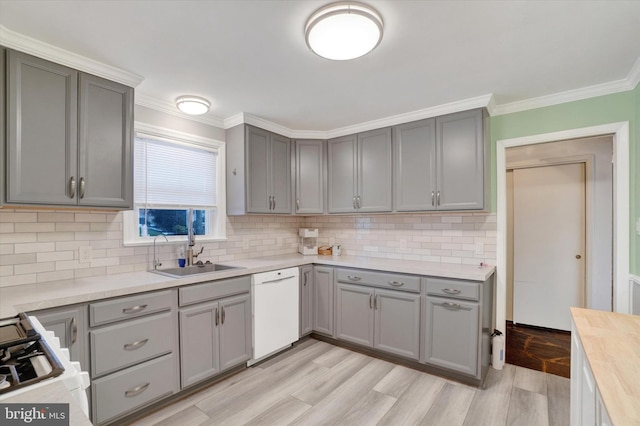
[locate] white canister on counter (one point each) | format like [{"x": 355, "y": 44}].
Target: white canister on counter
[{"x": 336, "y": 250}]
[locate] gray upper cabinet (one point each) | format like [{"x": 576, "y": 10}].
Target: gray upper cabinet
[
  {"x": 323, "y": 300},
  {"x": 106, "y": 134},
  {"x": 461, "y": 159},
  {"x": 359, "y": 172},
  {"x": 414, "y": 147},
  {"x": 258, "y": 171},
  {"x": 441, "y": 163},
  {"x": 69, "y": 136},
  {"x": 309, "y": 176}
]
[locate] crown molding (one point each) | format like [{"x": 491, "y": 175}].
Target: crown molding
[
  {"x": 17, "y": 41},
  {"x": 169, "y": 108},
  {"x": 617, "y": 86}
]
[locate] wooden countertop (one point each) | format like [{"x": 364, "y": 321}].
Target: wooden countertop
[{"x": 611, "y": 343}]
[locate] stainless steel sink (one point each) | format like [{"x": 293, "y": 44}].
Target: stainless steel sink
[{"x": 195, "y": 270}]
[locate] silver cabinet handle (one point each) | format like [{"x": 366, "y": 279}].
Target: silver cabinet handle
[
  {"x": 354, "y": 278},
  {"x": 433, "y": 198},
  {"x": 376, "y": 302},
  {"x": 270, "y": 202},
  {"x": 438, "y": 197},
  {"x": 298, "y": 204},
  {"x": 137, "y": 390},
  {"x": 135, "y": 345},
  {"x": 222, "y": 309},
  {"x": 396, "y": 283},
  {"x": 72, "y": 187},
  {"x": 274, "y": 202},
  {"x": 355, "y": 206},
  {"x": 358, "y": 202},
  {"x": 451, "y": 290},
  {"x": 306, "y": 277},
  {"x": 134, "y": 309},
  {"x": 74, "y": 330},
  {"x": 81, "y": 189},
  {"x": 371, "y": 301},
  {"x": 217, "y": 316},
  {"x": 452, "y": 306}
]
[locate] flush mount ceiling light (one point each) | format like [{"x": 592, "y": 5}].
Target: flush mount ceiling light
[
  {"x": 343, "y": 31},
  {"x": 193, "y": 105}
]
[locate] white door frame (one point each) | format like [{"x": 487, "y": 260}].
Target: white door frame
[{"x": 620, "y": 131}]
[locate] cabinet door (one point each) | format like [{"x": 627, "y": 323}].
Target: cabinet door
[
  {"x": 309, "y": 177},
  {"x": 41, "y": 131},
  {"x": 69, "y": 325},
  {"x": 105, "y": 166},
  {"x": 257, "y": 170},
  {"x": 323, "y": 299},
  {"x": 374, "y": 171},
  {"x": 280, "y": 174},
  {"x": 235, "y": 331},
  {"x": 341, "y": 177},
  {"x": 306, "y": 300},
  {"x": 354, "y": 314},
  {"x": 199, "y": 343},
  {"x": 415, "y": 166},
  {"x": 451, "y": 334},
  {"x": 460, "y": 154},
  {"x": 397, "y": 323}
]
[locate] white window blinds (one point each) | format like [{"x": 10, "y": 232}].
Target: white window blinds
[{"x": 174, "y": 175}]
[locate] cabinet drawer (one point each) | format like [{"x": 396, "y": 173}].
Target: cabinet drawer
[
  {"x": 456, "y": 289},
  {"x": 379, "y": 279},
  {"x": 134, "y": 387},
  {"x": 125, "y": 344},
  {"x": 129, "y": 307},
  {"x": 213, "y": 290}
]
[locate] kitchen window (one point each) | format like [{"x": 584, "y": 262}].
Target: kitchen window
[{"x": 175, "y": 172}]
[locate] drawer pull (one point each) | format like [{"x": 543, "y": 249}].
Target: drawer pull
[
  {"x": 451, "y": 290},
  {"x": 137, "y": 390},
  {"x": 354, "y": 278},
  {"x": 396, "y": 283},
  {"x": 452, "y": 306},
  {"x": 134, "y": 309},
  {"x": 135, "y": 345}
]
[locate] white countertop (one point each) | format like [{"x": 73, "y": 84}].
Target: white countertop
[{"x": 32, "y": 297}]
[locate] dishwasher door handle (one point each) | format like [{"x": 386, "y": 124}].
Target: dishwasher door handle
[{"x": 277, "y": 280}]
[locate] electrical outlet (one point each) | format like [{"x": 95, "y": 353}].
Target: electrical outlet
[
  {"x": 479, "y": 248},
  {"x": 84, "y": 254}
]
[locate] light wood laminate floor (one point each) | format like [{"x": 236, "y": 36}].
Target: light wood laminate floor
[{"x": 316, "y": 383}]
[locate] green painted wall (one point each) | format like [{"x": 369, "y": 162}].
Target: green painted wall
[{"x": 585, "y": 113}]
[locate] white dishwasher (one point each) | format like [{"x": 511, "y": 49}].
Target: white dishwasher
[{"x": 275, "y": 312}]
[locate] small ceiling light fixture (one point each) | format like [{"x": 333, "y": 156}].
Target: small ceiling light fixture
[
  {"x": 343, "y": 30},
  {"x": 193, "y": 105}
]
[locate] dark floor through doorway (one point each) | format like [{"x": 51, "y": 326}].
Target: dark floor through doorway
[{"x": 541, "y": 349}]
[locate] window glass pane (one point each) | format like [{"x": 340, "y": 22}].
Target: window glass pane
[{"x": 152, "y": 222}]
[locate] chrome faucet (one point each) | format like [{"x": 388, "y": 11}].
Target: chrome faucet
[
  {"x": 191, "y": 236},
  {"x": 156, "y": 262}
]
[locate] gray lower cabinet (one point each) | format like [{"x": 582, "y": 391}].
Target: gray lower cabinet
[
  {"x": 134, "y": 353},
  {"x": 386, "y": 320},
  {"x": 306, "y": 300},
  {"x": 359, "y": 172},
  {"x": 457, "y": 325},
  {"x": 309, "y": 176},
  {"x": 441, "y": 163},
  {"x": 69, "y": 136},
  {"x": 323, "y": 300},
  {"x": 69, "y": 324},
  {"x": 215, "y": 335}
]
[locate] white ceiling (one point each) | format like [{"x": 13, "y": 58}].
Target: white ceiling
[{"x": 250, "y": 55}]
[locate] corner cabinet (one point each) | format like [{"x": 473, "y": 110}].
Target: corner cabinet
[
  {"x": 323, "y": 300},
  {"x": 69, "y": 136},
  {"x": 258, "y": 171},
  {"x": 359, "y": 172},
  {"x": 306, "y": 300},
  {"x": 310, "y": 176},
  {"x": 442, "y": 163}
]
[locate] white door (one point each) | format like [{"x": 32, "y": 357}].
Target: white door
[{"x": 548, "y": 244}]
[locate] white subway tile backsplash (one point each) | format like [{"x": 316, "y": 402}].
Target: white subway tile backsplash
[{"x": 32, "y": 241}]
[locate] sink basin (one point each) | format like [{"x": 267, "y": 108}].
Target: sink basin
[{"x": 194, "y": 270}]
